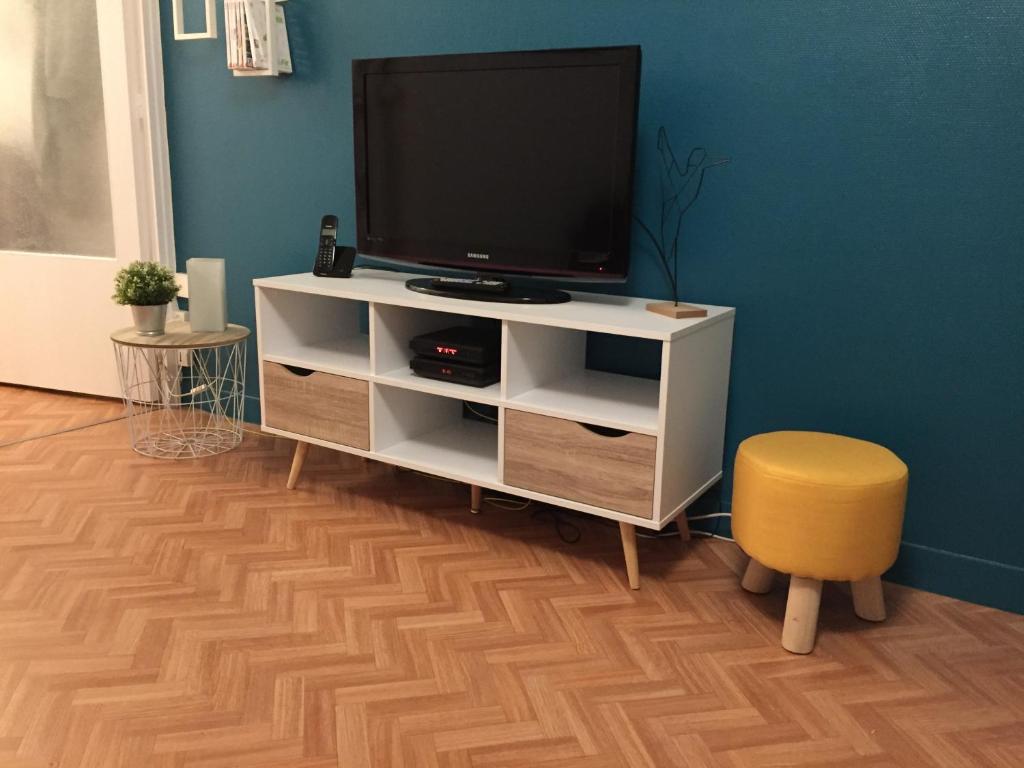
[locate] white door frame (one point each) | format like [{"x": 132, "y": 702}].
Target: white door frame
[{"x": 40, "y": 291}]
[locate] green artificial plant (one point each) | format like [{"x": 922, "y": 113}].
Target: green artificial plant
[{"x": 143, "y": 284}]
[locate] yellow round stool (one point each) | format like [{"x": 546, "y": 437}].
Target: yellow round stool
[{"x": 819, "y": 507}]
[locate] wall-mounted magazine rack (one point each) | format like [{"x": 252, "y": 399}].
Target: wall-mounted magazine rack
[{"x": 256, "y": 37}]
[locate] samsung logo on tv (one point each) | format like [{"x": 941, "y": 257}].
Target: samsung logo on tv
[{"x": 481, "y": 256}]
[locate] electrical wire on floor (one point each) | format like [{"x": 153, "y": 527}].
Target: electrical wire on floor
[
  {"x": 713, "y": 534},
  {"x": 508, "y": 503},
  {"x": 710, "y": 535},
  {"x": 570, "y": 532},
  {"x": 564, "y": 521},
  {"x": 566, "y": 529},
  {"x": 483, "y": 416},
  {"x": 670, "y": 531},
  {"x": 63, "y": 431}
]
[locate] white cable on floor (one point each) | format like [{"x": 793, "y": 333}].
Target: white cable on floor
[
  {"x": 63, "y": 431},
  {"x": 505, "y": 503},
  {"x": 475, "y": 412},
  {"x": 709, "y": 516},
  {"x": 712, "y": 535}
]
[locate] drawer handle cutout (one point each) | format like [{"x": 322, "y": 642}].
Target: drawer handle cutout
[
  {"x": 298, "y": 371},
  {"x": 603, "y": 431}
]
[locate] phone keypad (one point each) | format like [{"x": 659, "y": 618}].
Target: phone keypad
[{"x": 325, "y": 254}]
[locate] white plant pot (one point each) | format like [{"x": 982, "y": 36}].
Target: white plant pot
[{"x": 150, "y": 320}]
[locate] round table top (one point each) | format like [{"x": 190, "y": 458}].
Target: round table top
[{"x": 179, "y": 335}]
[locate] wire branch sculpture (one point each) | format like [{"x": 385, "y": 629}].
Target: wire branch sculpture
[{"x": 680, "y": 187}]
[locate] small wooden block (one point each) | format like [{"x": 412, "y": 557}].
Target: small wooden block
[{"x": 676, "y": 311}]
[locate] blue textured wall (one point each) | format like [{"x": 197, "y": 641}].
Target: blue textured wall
[{"x": 869, "y": 229}]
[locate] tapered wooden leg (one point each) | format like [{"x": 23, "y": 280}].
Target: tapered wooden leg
[
  {"x": 301, "y": 449},
  {"x": 801, "y": 615},
  {"x": 684, "y": 527},
  {"x": 628, "y": 534},
  {"x": 757, "y": 578},
  {"x": 868, "y": 601},
  {"x": 475, "y": 499}
]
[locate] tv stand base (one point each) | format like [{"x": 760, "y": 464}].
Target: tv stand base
[{"x": 515, "y": 294}]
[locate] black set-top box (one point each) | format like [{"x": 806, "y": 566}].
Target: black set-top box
[
  {"x": 461, "y": 354},
  {"x": 476, "y": 346}
]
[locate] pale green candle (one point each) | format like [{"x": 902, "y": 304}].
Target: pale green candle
[{"x": 207, "y": 295}]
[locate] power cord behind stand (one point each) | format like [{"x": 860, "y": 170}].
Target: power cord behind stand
[
  {"x": 569, "y": 532},
  {"x": 566, "y": 529}
]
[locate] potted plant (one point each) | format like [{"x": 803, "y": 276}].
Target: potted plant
[{"x": 147, "y": 288}]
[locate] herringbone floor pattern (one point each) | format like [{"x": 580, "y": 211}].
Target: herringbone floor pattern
[
  {"x": 26, "y": 413},
  {"x": 194, "y": 613}
]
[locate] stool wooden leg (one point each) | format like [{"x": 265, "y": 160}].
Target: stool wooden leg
[
  {"x": 868, "y": 601},
  {"x": 801, "y": 615},
  {"x": 301, "y": 449},
  {"x": 628, "y": 534},
  {"x": 475, "y": 499},
  {"x": 757, "y": 578}
]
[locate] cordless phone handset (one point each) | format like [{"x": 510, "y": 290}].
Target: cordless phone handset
[{"x": 324, "y": 263}]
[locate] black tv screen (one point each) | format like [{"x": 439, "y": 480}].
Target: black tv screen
[{"x": 507, "y": 162}]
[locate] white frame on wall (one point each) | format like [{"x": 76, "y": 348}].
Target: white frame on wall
[{"x": 178, "y": 17}]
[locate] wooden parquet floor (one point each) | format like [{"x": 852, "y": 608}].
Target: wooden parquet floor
[
  {"x": 195, "y": 613},
  {"x": 26, "y": 413}
]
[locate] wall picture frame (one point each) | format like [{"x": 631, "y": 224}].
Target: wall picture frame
[{"x": 178, "y": 16}]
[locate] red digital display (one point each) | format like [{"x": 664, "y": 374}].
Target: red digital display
[{"x": 451, "y": 351}]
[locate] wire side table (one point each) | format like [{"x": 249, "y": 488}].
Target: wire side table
[{"x": 184, "y": 392}]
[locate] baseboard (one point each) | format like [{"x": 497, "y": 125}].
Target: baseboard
[
  {"x": 999, "y": 585},
  {"x": 974, "y": 579}
]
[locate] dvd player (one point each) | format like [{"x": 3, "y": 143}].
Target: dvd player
[{"x": 460, "y": 373}]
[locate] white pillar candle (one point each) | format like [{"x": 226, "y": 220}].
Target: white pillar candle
[{"x": 207, "y": 295}]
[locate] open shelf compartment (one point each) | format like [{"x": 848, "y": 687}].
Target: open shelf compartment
[
  {"x": 320, "y": 333},
  {"x": 547, "y": 373},
  {"x": 394, "y": 327},
  {"x": 433, "y": 434}
]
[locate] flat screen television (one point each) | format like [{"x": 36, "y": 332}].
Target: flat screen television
[{"x": 514, "y": 163}]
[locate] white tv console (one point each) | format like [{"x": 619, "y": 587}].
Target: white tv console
[{"x": 334, "y": 371}]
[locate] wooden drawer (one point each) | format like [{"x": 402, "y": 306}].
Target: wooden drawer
[
  {"x": 594, "y": 465},
  {"x": 320, "y": 405}
]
